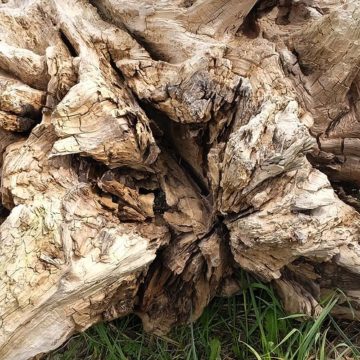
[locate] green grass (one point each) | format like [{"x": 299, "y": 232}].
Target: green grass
[{"x": 251, "y": 325}]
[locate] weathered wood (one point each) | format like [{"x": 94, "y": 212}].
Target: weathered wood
[{"x": 150, "y": 149}]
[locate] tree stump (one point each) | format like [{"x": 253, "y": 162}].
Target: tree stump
[{"x": 150, "y": 149}]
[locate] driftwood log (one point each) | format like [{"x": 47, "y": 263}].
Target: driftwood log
[{"x": 149, "y": 149}]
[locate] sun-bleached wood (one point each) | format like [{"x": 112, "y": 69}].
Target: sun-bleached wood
[{"x": 150, "y": 149}]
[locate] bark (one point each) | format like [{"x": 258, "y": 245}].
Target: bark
[{"x": 151, "y": 149}]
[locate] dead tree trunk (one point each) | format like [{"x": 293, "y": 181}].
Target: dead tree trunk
[{"x": 151, "y": 148}]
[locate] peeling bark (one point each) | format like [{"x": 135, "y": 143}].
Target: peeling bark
[{"x": 150, "y": 149}]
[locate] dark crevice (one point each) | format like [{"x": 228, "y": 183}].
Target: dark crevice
[
  {"x": 145, "y": 191},
  {"x": 160, "y": 205},
  {"x": 241, "y": 100},
  {"x": 325, "y": 165},
  {"x": 284, "y": 13},
  {"x": 155, "y": 53},
  {"x": 162, "y": 130},
  {"x": 232, "y": 217},
  {"x": 158, "y": 121},
  {"x": 4, "y": 213},
  {"x": 250, "y": 27},
  {"x": 103, "y": 12},
  {"x": 293, "y": 273},
  {"x": 204, "y": 191},
  {"x": 73, "y": 52},
  {"x": 91, "y": 172},
  {"x": 317, "y": 137},
  {"x": 305, "y": 69},
  {"x": 188, "y": 3},
  {"x": 334, "y": 122},
  {"x": 348, "y": 192},
  {"x": 302, "y": 211},
  {"x": 336, "y": 276},
  {"x": 175, "y": 287},
  {"x": 88, "y": 170},
  {"x": 115, "y": 68},
  {"x": 353, "y": 95},
  {"x": 28, "y": 111}
]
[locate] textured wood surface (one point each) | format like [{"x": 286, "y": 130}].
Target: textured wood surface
[{"x": 150, "y": 149}]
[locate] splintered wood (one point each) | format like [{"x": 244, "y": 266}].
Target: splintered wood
[{"x": 150, "y": 149}]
